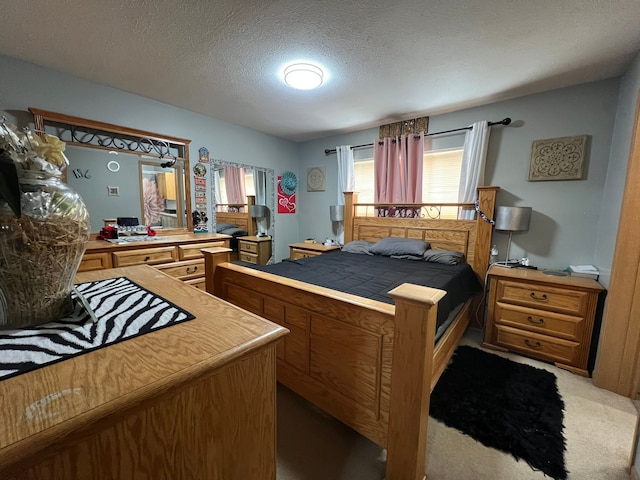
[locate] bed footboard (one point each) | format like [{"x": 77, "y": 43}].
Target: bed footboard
[{"x": 342, "y": 350}]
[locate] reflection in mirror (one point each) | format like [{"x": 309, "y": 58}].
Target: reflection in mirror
[
  {"x": 235, "y": 186},
  {"x": 107, "y": 168},
  {"x": 110, "y": 192},
  {"x": 161, "y": 194}
]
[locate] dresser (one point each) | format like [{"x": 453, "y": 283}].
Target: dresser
[
  {"x": 253, "y": 249},
  {"x": 543, "y": 316},
  {"x": 304, "y": 250},
  {"x": 176, "y": 255},
  {"x": 196, "y": 400}
]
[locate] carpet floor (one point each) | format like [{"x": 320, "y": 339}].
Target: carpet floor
[{"x": 599, "y": 431}]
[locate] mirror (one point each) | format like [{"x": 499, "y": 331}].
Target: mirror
[
  {"x": 113, "y": 185},
  {"x": 109, "y": 166},
  {"x": 254, "y": 176}
]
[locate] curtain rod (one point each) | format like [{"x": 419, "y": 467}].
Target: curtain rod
[{"x": 505, "y": 121}]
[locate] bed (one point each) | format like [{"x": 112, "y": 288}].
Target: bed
[
  {"x": 368, "y": 363},
  {"x": 234, "y": 220}
]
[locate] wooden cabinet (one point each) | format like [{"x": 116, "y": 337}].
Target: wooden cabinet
[
  {"x": 176, "y": 255},
  {"x": 542, "y": 316},
  {"x": 254, "y": 249},
  {"x": 196, "y": 400},
  {"x": 304, "y": 250}
]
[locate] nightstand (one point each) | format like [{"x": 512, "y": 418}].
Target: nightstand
[
  {"x": 254, "y": 249},
  {"x": 304, "y": 250},
  {"x": 542, "y": 316}
]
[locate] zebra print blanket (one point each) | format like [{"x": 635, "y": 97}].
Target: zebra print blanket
[{"x": 118, "y": 309}]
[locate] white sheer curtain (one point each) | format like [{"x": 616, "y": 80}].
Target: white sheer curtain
[
  {"x": 260, "y": 186},
  {"x": 473, "y": 164},
  {"x": 346, "y": 180},
  {"x": 217, "y": 190}
]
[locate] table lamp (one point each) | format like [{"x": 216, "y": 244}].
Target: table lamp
[
  {"x": 258, "y": 212},
  {"x": 512, "y": 219}
]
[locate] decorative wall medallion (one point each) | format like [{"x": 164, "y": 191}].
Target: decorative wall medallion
[
  {"x": 316, "y": 179},
  {"x": 557, "y": 158},
  {"x": 113, "y": 166},
  {"x": 199, "y": 170}
]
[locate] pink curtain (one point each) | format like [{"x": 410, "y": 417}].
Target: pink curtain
[
  {"x": 234, "y": 184},
  {"x": 398, "y": 169}
]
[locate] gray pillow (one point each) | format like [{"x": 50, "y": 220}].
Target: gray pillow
[
  {"x": 358, "y": 246},
  {"x": 234, "y": 232},
  {"x": 448, "y": 257},
  {"x": 399, "y": 246},
  {"x": 223, "y": 226}
]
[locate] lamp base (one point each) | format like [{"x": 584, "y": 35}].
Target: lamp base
[{"x": 507, "y": 263}]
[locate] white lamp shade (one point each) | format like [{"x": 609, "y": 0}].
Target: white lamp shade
[
  {"x": 513, "y": 219},
  {"x": 258, "y": 211},
  {"x": 336, "y": 213},
  {"x": 303, "y": 76}
]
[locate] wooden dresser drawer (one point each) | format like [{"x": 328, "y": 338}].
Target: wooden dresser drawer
[
  {"x": 536, "y": 345},
  {"x": 95, "y": 261},
  {"x": 246, "y": 246},
  {"x": 150, "y": 256},
  {"x": 542, "y": 297},
  {"x": 188, "y": 269},
  {"x": 248, "y": 257},
  {"x": 199, "y": 283},
  {"x": 192, "y": 250},
  {"x": 543, "y": 322}
]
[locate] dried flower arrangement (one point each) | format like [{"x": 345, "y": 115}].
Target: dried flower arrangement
[{"x": 44, "y": 227}]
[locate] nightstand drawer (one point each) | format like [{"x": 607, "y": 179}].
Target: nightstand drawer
[
  {"x": 543, "y": 322},
  {"x": 245, "y": 246},
  {"x": 295, "y": 253},
  {"x": 539, "y": 346},
  {"x": 542, "y": 297},
  {"x": 248, "y": 257}
]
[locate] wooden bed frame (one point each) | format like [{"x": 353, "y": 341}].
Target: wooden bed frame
[
  {"x": 237, "y": 215},
  {"x": 369, "y": 364}
]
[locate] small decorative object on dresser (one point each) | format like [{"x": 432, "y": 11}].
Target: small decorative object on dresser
[{"x": 542, "y": 316}]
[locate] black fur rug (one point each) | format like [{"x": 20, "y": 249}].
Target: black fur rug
[{"x": 505, "y": 405}]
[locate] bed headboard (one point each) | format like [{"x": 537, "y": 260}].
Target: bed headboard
[
  {"x": 237, "y": 214},
  {"x": 423, "y": 221}
]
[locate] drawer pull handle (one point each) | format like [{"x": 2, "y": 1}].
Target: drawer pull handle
[
  {"x": 147, "y": 258},
  {"x": 533, "y": 321},
  {"x": 542, "y": 298},
  {"x": 531, "y": 344},
  {"x": 195, "y": 269}
]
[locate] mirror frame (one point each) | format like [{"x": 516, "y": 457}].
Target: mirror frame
[{"x": 87, "y": 133}]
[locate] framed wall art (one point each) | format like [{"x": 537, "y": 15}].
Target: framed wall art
[
  {"x": 560, "y": 158},
  {"x": 316, "y": 179}
]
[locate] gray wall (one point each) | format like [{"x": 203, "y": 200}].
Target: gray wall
[
  {"x": 23, "y": 85},
  {"x": 564, "y": 225}
]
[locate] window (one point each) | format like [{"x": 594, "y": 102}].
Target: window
[
  {"x": 440, "y": 179},
  {"x": 248, "y": 186}
]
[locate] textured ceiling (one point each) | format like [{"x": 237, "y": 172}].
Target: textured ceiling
[{"x": 385, "y": 60}]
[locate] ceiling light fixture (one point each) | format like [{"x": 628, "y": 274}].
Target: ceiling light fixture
[{"x": 303, "y": 76}]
